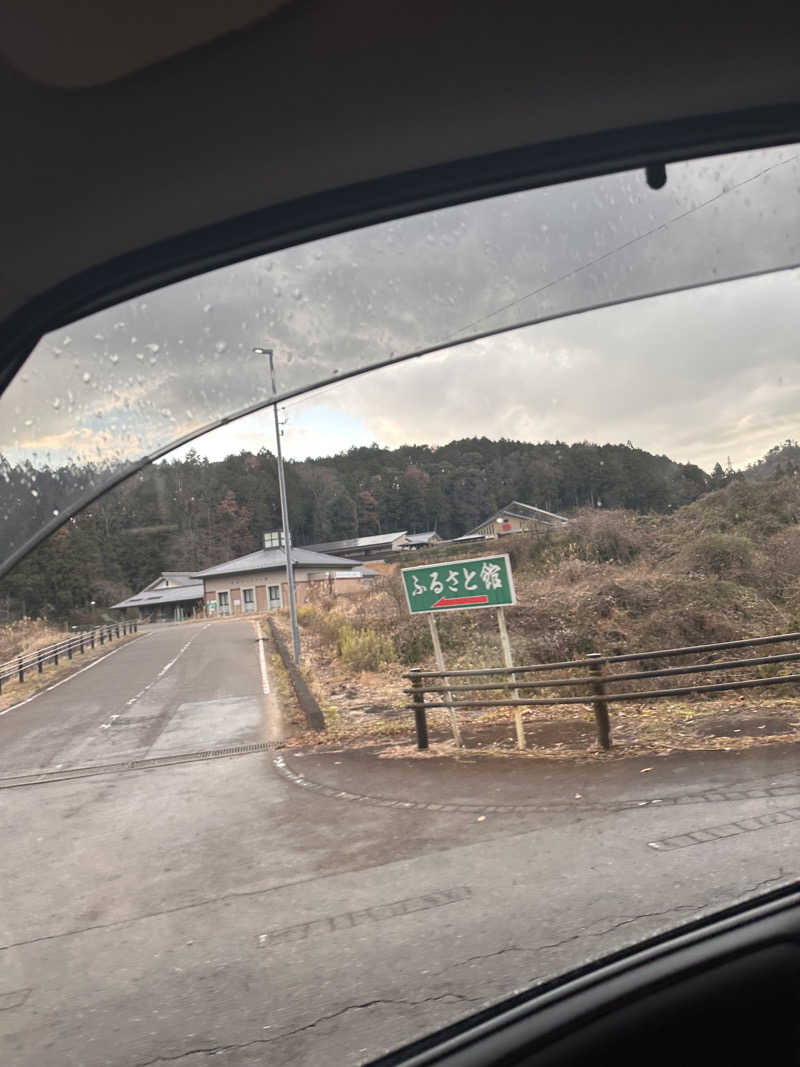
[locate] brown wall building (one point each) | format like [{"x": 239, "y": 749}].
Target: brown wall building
[{"x": 257, "y": 582}]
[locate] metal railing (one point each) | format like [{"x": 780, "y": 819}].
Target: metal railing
[
  {"x": 15, "y": 669},
  {"x": 595, "y": 684}
]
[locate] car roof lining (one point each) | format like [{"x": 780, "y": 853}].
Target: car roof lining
[{"x": 98, "y": 41}]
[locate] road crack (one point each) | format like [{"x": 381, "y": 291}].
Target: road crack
[
  {"x": 725, "y": 896},
  {"x": 578, "y": 935},
  {"x": 214, "y": 1050}
]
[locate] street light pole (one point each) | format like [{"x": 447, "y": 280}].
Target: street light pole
[{"x": 287, "y": 542}]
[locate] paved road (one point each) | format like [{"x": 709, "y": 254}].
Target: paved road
[{"x": 226, "y": 907}]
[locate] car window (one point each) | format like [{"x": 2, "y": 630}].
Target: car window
[
  {"x": 352, "y": 716},
  {"x": 131, "y": 382}
]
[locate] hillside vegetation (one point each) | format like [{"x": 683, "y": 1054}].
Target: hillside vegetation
[
  {"x": 724, "y": 567},
  {"x": 192, "y": 513},
  {"x": 721, "y": 568}
]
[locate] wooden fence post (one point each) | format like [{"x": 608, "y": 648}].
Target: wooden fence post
[
  {"x": 600, "y": 706},
  {"x": 509, "y": 662},
  {"x": 448, "y": 696},
  {"x": 39, "y": 661},
  {"x": 21, "y": 670},
  {"x": 418, "y": 698}
]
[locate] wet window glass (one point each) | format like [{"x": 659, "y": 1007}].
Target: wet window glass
[
  {"x": 532, "y": 693},
  {"x": 130, "y": 382}
]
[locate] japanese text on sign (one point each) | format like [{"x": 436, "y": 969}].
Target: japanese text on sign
[{"x": 465, "y": 583}]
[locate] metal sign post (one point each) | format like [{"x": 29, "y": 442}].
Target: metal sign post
[
  {"x": 448, "y": 696},
  {"x": 287, "y": 537},
  {"x": 509, "y": 662}
]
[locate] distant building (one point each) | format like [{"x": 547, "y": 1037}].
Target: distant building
[
  {"x": 365, "y": 547},
  {"x": 173, "y": 596},
  {"x": 421, "y": 540},
  {"x": 378, "y": 545},
  {"x": 357, "y": 580},
  {"x": 257, "y": 582},
  {"x": 514, "y": 518}
]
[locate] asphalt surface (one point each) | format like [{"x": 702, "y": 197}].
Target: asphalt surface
[{"x": 297, "y": 907}]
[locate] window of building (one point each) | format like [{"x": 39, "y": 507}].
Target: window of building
[
  {"x": 274, "y": 596},
  {"x": 224, "y": 600},
  {"x": 248, "y": 600}
]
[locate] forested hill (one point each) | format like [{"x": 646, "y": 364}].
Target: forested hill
[
  {"x": 454, "y": 487},
  {"x": 191, "y": 513}
]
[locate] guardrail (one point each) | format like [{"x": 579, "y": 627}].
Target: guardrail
[
  {"x": 15, "y": 669},
  {"x": 595, "y": 684}
]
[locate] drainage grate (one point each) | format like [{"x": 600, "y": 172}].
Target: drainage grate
[{"x": 66, "y": 773}]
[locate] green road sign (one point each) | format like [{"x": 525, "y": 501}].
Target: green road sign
[{"x": 485, "y": 582}]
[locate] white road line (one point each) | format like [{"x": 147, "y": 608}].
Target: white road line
[
  {"x": 158, "y": 677},
  {"x": 69, "y": 677},
  {"x": 261, "y": 659}
]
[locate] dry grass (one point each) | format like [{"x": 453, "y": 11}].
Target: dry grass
[
  {"x": 724, "y": 568},
  {"x": 26, "y": 635},
  {"x": 647, "y": 730},
  {"x": 14, "y": 692}
]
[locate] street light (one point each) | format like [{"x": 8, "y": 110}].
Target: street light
[{"x": 287, "y": 544}]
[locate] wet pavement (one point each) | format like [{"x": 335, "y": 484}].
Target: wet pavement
[{"x": 313, "y": 907}]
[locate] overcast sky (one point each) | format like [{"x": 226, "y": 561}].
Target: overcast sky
[
  {"x": 699, "y": 376},
  {"x": 702, "y": 376}
]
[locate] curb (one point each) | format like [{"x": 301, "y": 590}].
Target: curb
[{"x": 710, "y": 797}]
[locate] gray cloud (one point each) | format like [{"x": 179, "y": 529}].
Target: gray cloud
[{"x": 698, "y": 375}]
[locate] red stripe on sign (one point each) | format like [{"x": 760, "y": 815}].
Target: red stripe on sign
[{"x": 456, "y": 601}]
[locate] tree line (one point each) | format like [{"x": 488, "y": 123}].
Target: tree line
[{"x": 190, "y": 513}]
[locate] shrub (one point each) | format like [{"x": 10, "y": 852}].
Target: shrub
[
  {"x": 365, "y": 650},
  {"x": 723, "y": 555},
  {"x": 413, "y": 642},
  {"x": 779, "y": 565},
  {"x": 325, "y": 623},
  {"x": 606, "y": 536}
]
